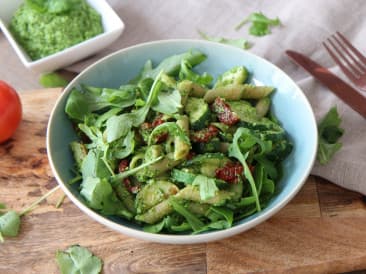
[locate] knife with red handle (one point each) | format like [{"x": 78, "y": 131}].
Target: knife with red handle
[{"x": 344, "y": 91}]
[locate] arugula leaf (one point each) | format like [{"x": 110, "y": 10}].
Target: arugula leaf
[
  {"x": 169, "y": 102},
  {"x": 170, "y": 65},
  {"x": 94, "y": 166},
  {"x": 239, "y": 42},
  {"x": 186, "y": 73},
  {"x": 118, "y": 126},
  {"x": 155, "y": 228},
  {"x": 124, "y": 148},
  {"x": 78, "y": 259},
  {"x": 52, "y": 80},
  {"x": 235, "y": 151},
  {"x": 260, "y": 24},
  {"x": 82, "y": 103},
  {"x": 221, "y": 218},
  {"x": 329, "y": 133},
  {"x": 195, "y": 223},
  {"x": 207, "y": 186},
  {"x": 99, "y": 194},
  {"x": 9, "y": 224}
]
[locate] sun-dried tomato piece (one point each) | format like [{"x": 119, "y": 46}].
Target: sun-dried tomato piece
[
  {"x": 230, "y": 173},
  {"x": 224, "y": 113},
  {"x": 158, "y": 120},
  {"x": 204, "y": 135},
  {"x": 123, "y": 165}
]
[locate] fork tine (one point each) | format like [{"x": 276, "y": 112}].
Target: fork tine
[
  {"x": 360, "y": 61},
  {"x": 338, "y": 61},
  {"x": 350, "y": 46},
  {"x": 344, "y": 57}
]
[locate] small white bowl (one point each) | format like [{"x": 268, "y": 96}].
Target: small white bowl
[{"x": 112, "y": 24}]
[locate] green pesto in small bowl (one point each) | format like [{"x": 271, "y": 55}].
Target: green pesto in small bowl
[{"x": 43, "y": 28}]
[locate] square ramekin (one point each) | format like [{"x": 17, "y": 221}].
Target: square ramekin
[{"x": 112, "y": 24}]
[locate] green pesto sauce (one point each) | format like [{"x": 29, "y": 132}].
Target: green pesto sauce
[{"x": 44, "y": 33}]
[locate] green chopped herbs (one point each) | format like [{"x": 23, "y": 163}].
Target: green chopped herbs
[
  {"x": 238, "y": 42},
  {"x": 44, "y": 27},
  {"x": 78, "y": 259},
  {"x": 175, "y": 150},
  {"x": 330, "y": 132},
  {"x": 260, "y": 24}
]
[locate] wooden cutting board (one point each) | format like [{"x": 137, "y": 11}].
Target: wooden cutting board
[{"x": 322, "y": 230}]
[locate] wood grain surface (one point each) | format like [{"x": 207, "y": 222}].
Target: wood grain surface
[{"x": 322, "y": 230}]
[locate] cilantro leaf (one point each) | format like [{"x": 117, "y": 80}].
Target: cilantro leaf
[
  {"x": 329, "y": 133},
  {"x": 9, "y": 224},
  {"x": 260, "y": 24},
  {"x": 239, "y": 42},
  {"x": 78, "y": 259}
]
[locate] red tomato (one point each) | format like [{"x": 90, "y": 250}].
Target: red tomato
[{"x": 10, "y": 111}]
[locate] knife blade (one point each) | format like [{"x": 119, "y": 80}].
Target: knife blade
[{"x": 344, "y": 91}]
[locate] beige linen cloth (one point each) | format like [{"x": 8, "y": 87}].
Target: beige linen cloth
[{"x": 305, "y": 24}]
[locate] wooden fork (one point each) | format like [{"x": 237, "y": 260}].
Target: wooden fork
[{"x": 349, "y": 59}]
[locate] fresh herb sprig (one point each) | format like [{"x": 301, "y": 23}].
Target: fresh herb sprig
[
  {"x": 10, "y": 220},
  {"x": 78, "y": 259},
  {"x": 260, "y": 24},
  {"x": 329, "y": 132},
  {"x": 238, "y": 42}
]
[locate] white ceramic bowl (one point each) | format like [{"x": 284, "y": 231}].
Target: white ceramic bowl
[
  {"x": 112, "y": 24},
  {"x": 289, "y": 105}
]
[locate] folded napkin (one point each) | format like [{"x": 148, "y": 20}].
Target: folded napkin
[{"x": 305, "y": 24}]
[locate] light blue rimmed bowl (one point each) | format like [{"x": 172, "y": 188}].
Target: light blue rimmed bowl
[{"x": 289, "y": 105}]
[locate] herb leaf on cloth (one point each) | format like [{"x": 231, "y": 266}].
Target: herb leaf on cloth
[
  {"x": 78, "y": 259},
  {"x": 329, "y": 132},
  {"x": 260, "y": 24},
  {"x": 238, "y": 42}
]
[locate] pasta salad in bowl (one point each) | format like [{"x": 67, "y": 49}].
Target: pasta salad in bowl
[{"x": 181, "y": 141}]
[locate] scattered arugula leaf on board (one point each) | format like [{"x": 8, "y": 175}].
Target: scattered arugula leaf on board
[
  {"x": 78, "y": 259},
  {"x": 239, "y": 42},
  {"x": 52, "y": 80},
  {"x": 260, "y": 24},
  {"x": 10, "y": 220},
  {"x": 9, "y": 224},
  {"x": 329, "y": 132}
]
